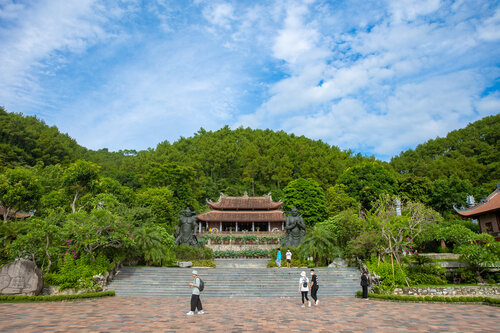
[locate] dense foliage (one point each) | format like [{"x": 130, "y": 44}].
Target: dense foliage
[{"x": 94, "y": 208}]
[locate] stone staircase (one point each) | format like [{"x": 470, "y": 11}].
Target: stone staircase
[{"x": 231, "y": 282}]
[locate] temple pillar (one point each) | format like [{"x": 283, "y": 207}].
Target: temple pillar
[
  {"x": 268, "y": 226},
  {"x": 253, "y": 226},
  {"x": 282, "y": 226},
  {"x": 220, "y": 228},
  {"x": 236, "y": 226},
  {"x": 199, "y": 228}
]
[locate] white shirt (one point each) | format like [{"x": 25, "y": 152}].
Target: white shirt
[
  {"x": 302, "y": 280},
  {"x": 289, "y": 255}
]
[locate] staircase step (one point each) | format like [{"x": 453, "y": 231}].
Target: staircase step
[{"x": 232, "y": 278}]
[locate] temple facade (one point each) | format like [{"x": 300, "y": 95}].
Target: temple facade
[
  {"x": 240, "y": 214},
  {"x": 487, "y": 212}
]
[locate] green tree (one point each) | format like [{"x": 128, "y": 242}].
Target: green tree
[
  {"x": 367, "y": 181},
  {"x": 415, "y": 188},
  {"x": 320, "y": 245},
  {"x": 345, "y": 226},
  {"x": 160, "y": 200},
  {"x": 40, "y": 242},
  {"x": 449, "y": 191},
  {"x": 19, "y": 190},
  {"x": 179, "y": 180},
  {"x": 154, "y": 244},
  {"x": 481, "y": 253},
  {"x": 98, "y": 232},
  {"x": 79, "y": 178},
  {"x": 307, "y": 195},
  {"x": 337, "y": 200}
]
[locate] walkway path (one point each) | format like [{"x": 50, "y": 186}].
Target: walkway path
[{"x": 131, "y": 314}]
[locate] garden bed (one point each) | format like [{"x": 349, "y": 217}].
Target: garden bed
[{"x": 53, "y": 298}]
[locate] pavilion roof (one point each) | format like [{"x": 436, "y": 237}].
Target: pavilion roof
[
  {"x": 489, "y": 205},
  {"x": 242, "y": 216},
  {"x": 245, "y": 203}
]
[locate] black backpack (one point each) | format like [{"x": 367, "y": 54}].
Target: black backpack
[{"x": 202, "y": 285}]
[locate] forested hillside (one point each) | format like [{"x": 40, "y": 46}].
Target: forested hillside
[
  {"x": 465, "y": 161},
  {"x": 25, "y": 141},
  {"x": 96, "y": 207},
  {"x": 437, "y": 173}
]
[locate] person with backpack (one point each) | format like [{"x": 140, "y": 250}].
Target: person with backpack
[
  {"x": 314, "y": 287},
  {"x": 304, "y": 288},
  {"x": 197, "y": 285}
]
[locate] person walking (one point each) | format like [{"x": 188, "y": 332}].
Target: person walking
[
  {"x": 195, "y": 295},
  {"x": 304, "y": 288},
  {"x": 278, "y": 258},
  {"x": 314, "y": 287},
  {"x": 364, "y": 284},
  {"x": 288, "y": 258}
]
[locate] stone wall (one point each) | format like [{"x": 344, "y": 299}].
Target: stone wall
[{"x": 449, "y": 291}]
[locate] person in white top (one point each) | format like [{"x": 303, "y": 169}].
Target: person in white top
[
  {"x": 304, "y": 288},
  {"x": 288, "y": 258}
]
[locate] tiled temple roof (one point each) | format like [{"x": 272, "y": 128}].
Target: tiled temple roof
[
  {"x": 489, "y": 205},
  {"x": 242, "y": 216},
  {"x": 244, "y": 203}
]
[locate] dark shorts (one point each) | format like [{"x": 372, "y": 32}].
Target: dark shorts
[{"x": 288, "y": 260}]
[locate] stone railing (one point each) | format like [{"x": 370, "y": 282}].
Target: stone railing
[{"x": 449, "y": 291}]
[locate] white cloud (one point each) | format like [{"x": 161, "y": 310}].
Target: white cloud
[
  {"x": 377, "y": 77},
  {"x": 220, "y": 14},
  {"x": 489, "y": 104},
  {"x": 490, "y": 29},
  {"x": 37, "y": 38},
  {"x": 409, "y": 10}
]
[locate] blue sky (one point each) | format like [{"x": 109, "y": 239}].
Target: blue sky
[{"x": 376, "y": 77}]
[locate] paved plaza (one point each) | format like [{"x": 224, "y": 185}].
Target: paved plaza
[{"x": 134, "y": 314}]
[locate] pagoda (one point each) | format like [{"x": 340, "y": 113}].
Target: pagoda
[
  {"x": 487, "y": 211},
  {"x": 240, "y": 214}
]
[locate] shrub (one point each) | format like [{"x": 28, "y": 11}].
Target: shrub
[
  {"x": 428, "y": 274},
  {"x": 271, "y": 264},
  {"x": 204, "y": 263},
  {"x": 78, "y": 273},
  {"x": 185, "y": 252},
  {"x": 384, "y": 270}
]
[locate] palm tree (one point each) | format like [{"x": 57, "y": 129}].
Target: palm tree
[
  {"x": 319, "y": 244},
  {"x": 150, "y": 244}
]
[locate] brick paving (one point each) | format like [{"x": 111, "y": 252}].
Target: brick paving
[{"x": 133, "y": 314}]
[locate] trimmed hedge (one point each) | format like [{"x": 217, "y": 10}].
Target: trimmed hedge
[
  {"x": 444, "y": 299},
  {"x": 53, "y": 298}
]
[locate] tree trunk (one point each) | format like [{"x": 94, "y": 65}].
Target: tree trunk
[
  {"x": 443, "y": 244},
  {"x": 73, "y": 204},
  {"x": 479, "y": 277},
  {"x": 47, "y": 252}
]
